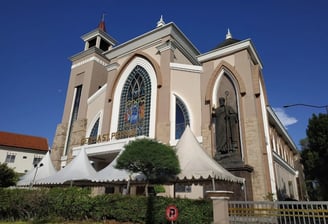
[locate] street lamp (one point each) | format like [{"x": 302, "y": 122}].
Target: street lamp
[
  {"x": 36, "y": 170},
  {"x": 307, "y": 105}
]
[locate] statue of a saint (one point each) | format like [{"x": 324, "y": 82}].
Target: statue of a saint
[{"x": 226, "y": 129}]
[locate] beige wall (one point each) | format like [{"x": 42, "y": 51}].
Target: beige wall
[
  {"x": 286, "y": 183},
  {"x": 23, "y": 158},
  {"x": 173, "y": 74},
  {"x": 185, "y": 85}
]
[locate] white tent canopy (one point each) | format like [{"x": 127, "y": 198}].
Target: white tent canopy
[
  {"x": 78, "y": 169},
  {"x": 111, "y": 174},
  {"x": 196, "y": 164},
  {"x": 44, "y": 169}
]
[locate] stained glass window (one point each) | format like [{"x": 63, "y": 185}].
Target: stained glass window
[
  {"x": 181, "y": 118},
  {"x": 94, "y": 133},
  {"x": 135, "y": 105}
]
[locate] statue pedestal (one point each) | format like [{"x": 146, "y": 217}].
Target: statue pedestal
[{"x": 220, "y": 205}]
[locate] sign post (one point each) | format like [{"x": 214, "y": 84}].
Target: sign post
[{"x": 171, "y": 213}]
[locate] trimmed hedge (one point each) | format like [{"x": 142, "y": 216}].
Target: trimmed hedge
[{"x": 76, "y": 204}]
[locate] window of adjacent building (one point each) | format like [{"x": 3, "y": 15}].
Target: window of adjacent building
[
  {"x": 94, "y": 133},
  {"x": 36, "y": 159},
  {"x": 181, "y": 118},
  {"x": 134, "y": 111},
  {"x": 10, "y": 157}
]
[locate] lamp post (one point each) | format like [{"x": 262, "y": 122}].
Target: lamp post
[
  {"x": 307, "y": 105},
  {"x": 36, "y": 170}
]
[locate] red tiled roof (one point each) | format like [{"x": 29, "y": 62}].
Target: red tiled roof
[{"x": 23, "y": 141}]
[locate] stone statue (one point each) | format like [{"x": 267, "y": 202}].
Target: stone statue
[{"x": 226, "y": 129}]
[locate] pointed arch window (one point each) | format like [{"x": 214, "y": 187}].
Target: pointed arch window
[
  {"x": 181, "y": 118},
  {"x": 134, "y": 111},
  {"x": 94, "y": 133}
]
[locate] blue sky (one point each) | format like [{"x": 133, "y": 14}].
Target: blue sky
[{"x": 38, "y": 37}]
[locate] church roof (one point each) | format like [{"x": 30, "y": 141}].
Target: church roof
[
  {"x": 161, "y": 31},
  {"x": 23, "y": 141},
  {"x": 228, "y": 41}
]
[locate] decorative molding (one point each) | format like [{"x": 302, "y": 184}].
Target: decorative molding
[
  {"x": 168, "y": 45},
  {"x": 186, "y": 68},
  {"x": 93, "y": 58},
  {"x": 112, "y": 66}
]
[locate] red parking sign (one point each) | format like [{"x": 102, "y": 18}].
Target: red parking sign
[{"x": 171, "y": 213}]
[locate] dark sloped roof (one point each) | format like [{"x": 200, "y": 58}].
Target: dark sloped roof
[
  {"x": 23, "y": 141},
  {"x": 226, "y": 42}
]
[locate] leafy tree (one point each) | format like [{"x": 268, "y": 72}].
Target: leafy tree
[
  {"x": 8, "y": 176},
  {"x": 315, "y": 157},
  {"x": 157, "y": 161}
]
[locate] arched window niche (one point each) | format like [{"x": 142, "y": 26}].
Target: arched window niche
[
  {"x": 134, "y": 110},
  {"x": 225, "y": 113}
]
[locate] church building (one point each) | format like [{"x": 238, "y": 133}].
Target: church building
[{"x": 158, "y": 84}]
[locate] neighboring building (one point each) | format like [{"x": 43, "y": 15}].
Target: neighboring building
[
  {"x": 286, "y": 162},
  {"x": 22, "y": 152},
  {"x": 156, "y": 84}
]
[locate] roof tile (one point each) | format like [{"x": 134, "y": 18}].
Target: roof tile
[{"x": 23, "y": 141}]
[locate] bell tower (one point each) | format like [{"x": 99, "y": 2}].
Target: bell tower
[
  {"x": 99, "y": 38},
  {"x": 88, "y": 74}
]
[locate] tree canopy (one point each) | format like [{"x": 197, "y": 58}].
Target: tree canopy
[
  {"x": 8, "y": 176},
  {"x": 315, "y": 157},
  {"x": 157, "y": 161}
]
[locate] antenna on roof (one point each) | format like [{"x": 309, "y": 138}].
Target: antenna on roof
[{"x": 103, "y": 17}]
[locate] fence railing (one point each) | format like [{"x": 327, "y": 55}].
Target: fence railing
[{"x": 279, "y": 212}]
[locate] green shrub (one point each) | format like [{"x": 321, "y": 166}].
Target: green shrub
[{"x": 76, "y": 204}]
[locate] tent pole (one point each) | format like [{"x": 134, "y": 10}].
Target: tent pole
[{"x": 213, "y": 181}]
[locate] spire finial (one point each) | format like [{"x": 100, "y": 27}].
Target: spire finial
[
  {"x": 101, "y": 25},
  {"x": 228, "y": 35},
  {"x": 160, "y": 22}
]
